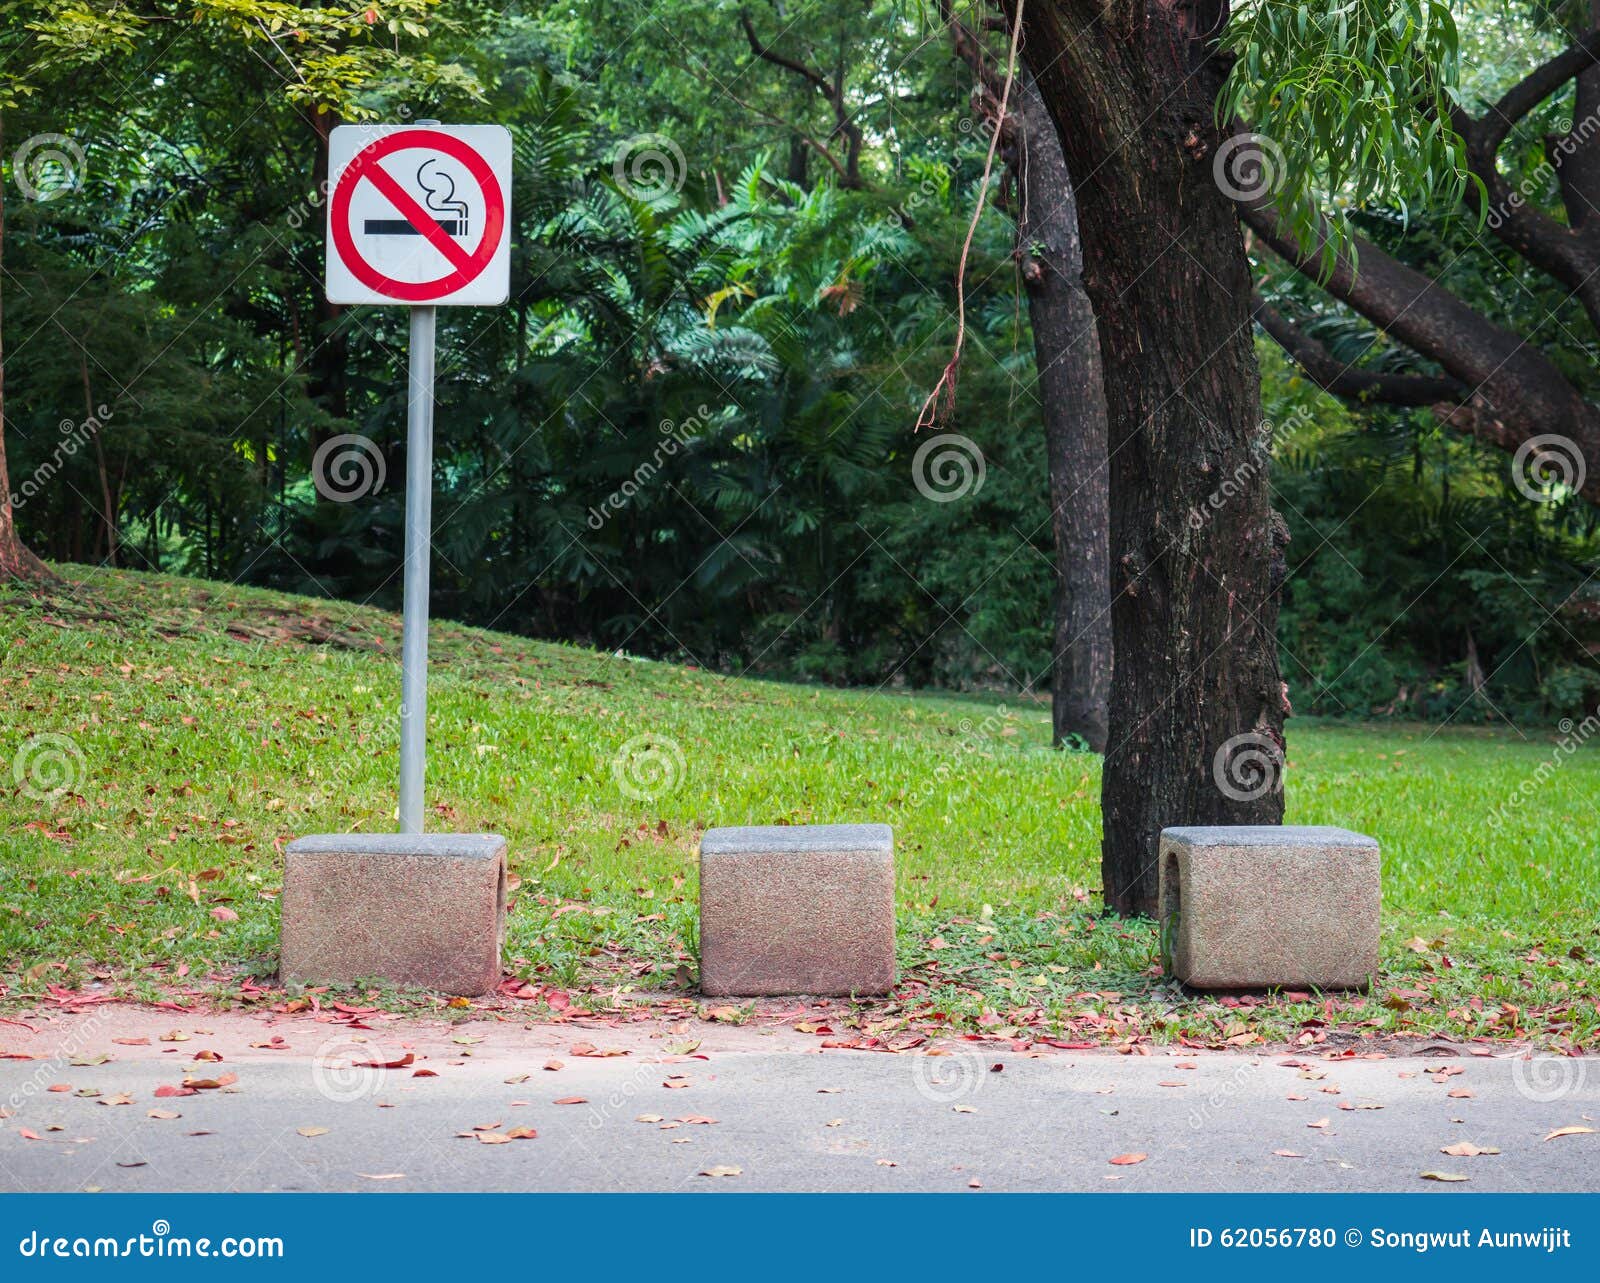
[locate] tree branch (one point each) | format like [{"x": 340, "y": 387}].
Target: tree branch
[
  {"x": 1513, "y": 391},
  {"x": 1351, "y": 382},
  {"x": 831, "y": 90},
  {"x": 1535, "y": 87}
]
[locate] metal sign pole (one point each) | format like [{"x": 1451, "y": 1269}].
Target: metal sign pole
[{"x": 419, "y": 536}]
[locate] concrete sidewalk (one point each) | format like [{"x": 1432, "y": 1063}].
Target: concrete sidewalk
[{"x": 788, "y": 1116}]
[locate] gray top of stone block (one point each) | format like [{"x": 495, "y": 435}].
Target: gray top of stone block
[
  {"x": 785, "y": 839},
  {"x": 467, "y": 846},
  {"x": 1266, "y": 835}
]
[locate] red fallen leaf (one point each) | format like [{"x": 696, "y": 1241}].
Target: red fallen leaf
[
  {"x": 522, "y": 1133},
  {"x": 557, "y": 1000},
  {"x": 132, "y": 1042},
  {"x": 552, "y": 1065},
  {"x": 589, "y": 1049},
  {"x": 224, "y": 914},
  {"x": 59, "y": 1087},
  {"x": 1460, "y": 1093},
  {"x": 29, "y": 1135},
  {"x": 168, "y": 1090},
  {"x": 573, "y": 1100},
  {"x": 401, "y": 1063},
  {"x": 696, "y": 1118},
  {"x": 424, "y": 1073},
  {"x": 208, "y": 1054},
  {"x": 211, "y": 1084},
  {"x": 1127, "y": 1160}
]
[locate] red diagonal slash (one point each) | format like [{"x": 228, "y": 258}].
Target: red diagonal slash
[{"x": 414, "y": 214}]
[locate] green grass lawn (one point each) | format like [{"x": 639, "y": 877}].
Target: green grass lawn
[{"x": 204, "y": 726}]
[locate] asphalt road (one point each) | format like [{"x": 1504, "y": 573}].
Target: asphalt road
[{"x": 794, "y": 1118}]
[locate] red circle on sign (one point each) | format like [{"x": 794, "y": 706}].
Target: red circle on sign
[{"x": 467, "y": 267}]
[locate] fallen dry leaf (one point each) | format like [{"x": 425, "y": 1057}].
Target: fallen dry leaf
[
  {"x": 552, "y": 1065},
  {"x": 1451, "y": 1177},
  {"x": 522, "y": 1133},
  {"x": 382, "y": 1176},
  {"x": 963, "y": 1109},
  {"x": 400, "y": 1062},
  {"x": 648, "y": 1118},
  {"x": 1321, "y": 1122},
  {"x": 1570, "y": 1131},
  {"x": 312, "y": 1131},
  {"x": 121, "y": 1098},
  {"x": 722, "y": 1170},
  {"x": 163, "y": 1113},
  {"x": 1287, "y": 1153},
  {"x": 492, "y": 1138},
  {"x": 573, "y": 1100},
  {"x": 1466, "y": 1149},
  {"x": 1127, "y": 1160}
]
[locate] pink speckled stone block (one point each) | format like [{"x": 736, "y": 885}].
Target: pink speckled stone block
[
  {"x": 1264, "y": 907},
  {"x": 797, "y": 909},
  {"x": 424, "y": 910}
]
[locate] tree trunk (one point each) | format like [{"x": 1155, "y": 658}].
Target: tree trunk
[
  {"x": 1197, "y": 705},
  {"x": 16, "y": 562},
  {"x": 1067, "y": 357}
]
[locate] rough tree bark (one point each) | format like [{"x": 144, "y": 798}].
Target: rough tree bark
[
  {"x": 1197, "y": 705},
  {"x": 1072, "y": 403},
  {"x": 1066, "y": 353},
  {"x": 16, "y": 562}
]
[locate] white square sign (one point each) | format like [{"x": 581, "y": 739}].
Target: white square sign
[{"x": 419, "y": 214}]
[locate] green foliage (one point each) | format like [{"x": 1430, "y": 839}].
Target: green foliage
[
  {"x": 1466, "y": 609},
  {"x": 1354, "y": 97}
]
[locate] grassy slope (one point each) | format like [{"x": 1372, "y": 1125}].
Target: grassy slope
[{"x": 215, "y": 723}]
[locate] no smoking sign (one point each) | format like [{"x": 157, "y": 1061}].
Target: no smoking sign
[{"x": 419, "y": 215}]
